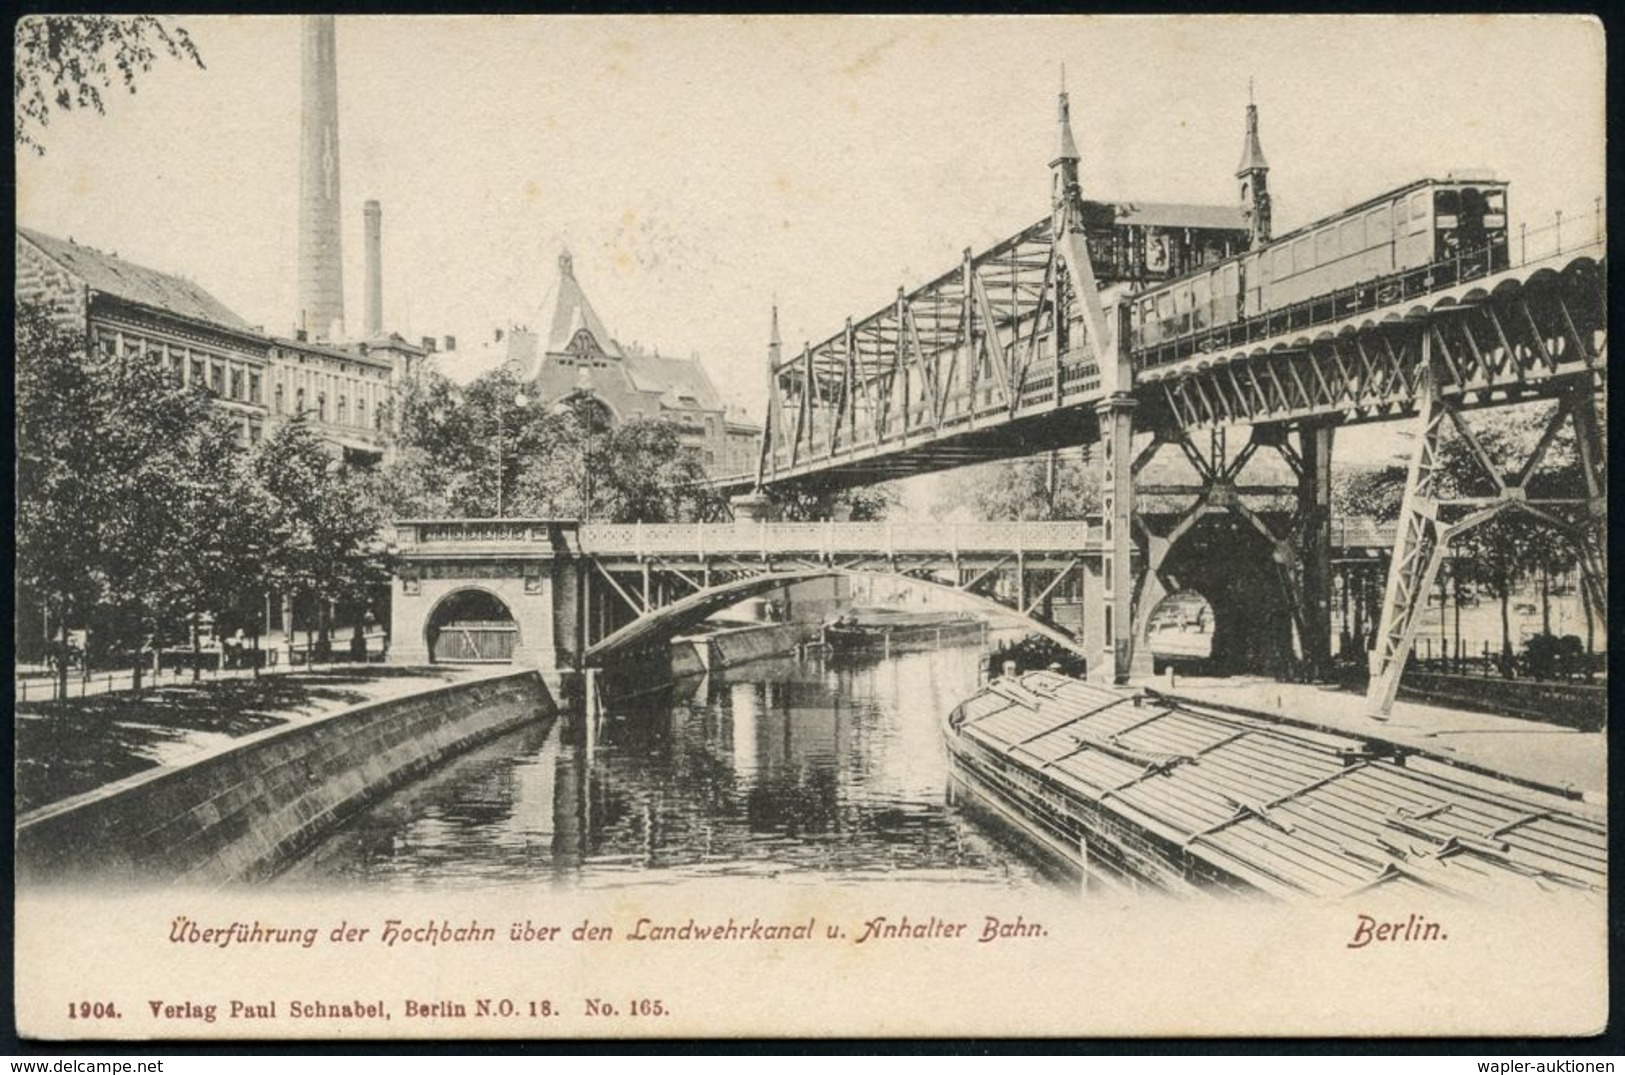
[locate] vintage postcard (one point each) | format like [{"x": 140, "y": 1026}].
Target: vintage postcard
[{"x": 558, "y": 527}]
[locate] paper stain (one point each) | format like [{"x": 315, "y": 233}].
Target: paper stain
[{"x": 871, "y": 57}]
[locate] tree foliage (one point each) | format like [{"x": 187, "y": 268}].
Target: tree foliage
[
  {"x": 66, "y": 61},
  {"x": 1370, "y": 492},
  {"x": 864, "y": 504},
  {"x": 137, "y": 506},
  {"x": 1044, "y": 487},
  {"x": 565, "y": 459}
]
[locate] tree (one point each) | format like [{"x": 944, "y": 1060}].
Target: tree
[
  {"x": 567, "y": 459},
  {"x": 68, "y": 60},
  {"x": 1504, "y": 552},
  {"x": 649, "y": 475},
  {"x": 326, "y": 523},
  {"x": 1374, "y": 492},
  {"x": 1048, "y": 486},
  {"x": 130, "y": 505},
  {"x": 869, "y": 503}
]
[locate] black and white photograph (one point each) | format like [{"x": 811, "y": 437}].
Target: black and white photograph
[{"x": 698, "y": 526}]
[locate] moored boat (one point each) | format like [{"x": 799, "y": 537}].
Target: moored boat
[
  {"x": 886, "y": 630},
  {"x": 1138, "y": 791}
]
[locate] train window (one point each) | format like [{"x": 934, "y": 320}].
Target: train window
[
  {"x": 1202, "y": 300},
  {"x": 1165, "y": 307},
  {"x": 1224, "y": 281},
  {"x": 1303, "y": 255},
  {"x": 1495, "y": 208},
  {"x": 1402, "y": 213},
  {"x": 1419, "y": 212},
  {"x": 1447, "y": 206}
]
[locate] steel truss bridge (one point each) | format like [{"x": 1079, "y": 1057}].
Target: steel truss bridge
[
  {"x": 1017, "y": 351},
  {"x": 608, "y": 590}
]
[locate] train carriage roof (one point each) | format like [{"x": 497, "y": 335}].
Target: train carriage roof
[
  {"x": 1476, "y": 178},
  {"x": 1479, "y": 179}
]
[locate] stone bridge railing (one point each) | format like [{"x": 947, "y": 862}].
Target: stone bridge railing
[
  {"x": 819, "y": 539},
  {"x": 832, "y": 538}
]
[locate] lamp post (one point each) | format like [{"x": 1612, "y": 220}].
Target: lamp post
[
  {"x": 519, "y": 401},
  {"x": 581, "y": 406}
]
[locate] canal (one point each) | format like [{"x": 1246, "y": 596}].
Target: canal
[{"x": 810, "y": 769}]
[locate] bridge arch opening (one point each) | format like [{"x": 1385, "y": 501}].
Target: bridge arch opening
[
  {"x": 1225, "y": 562},
  {"x": 471, "y": 626},
  {"x": 1180, "y": 629},
  {"x": 660, "y": 625}
]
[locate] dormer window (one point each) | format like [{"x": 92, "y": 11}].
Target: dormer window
[{"x": 583, "y": 346}]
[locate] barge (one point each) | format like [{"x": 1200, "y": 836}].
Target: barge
[
  {"x": 1142, "y": 793},
  {"x": 887, "y": 631}
]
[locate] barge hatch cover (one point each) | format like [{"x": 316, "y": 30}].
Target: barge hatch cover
[{"x": 1178, "y": 796}]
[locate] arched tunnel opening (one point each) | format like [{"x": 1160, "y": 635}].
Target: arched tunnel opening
[
  {"x": 471, "y": 627},
  {"x": 1225, "y": 563}
]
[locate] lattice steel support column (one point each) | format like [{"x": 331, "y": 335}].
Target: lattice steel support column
[
  {"x": 1416, "y": 557},
  {"x": 1583, "y": 406},
  {"x": 1314, "y": 596},
  {"x": 1114, "y": 606}
]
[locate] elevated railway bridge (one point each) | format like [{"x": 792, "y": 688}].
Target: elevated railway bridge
[
  {"x": 1420, "y": 307},
  {"x": 1128, "y": 331}
]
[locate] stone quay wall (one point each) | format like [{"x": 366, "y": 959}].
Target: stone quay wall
[{"x": 242, "y": 813}]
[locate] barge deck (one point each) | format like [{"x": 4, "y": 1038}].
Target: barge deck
[{"x": 1146, "y": 792}]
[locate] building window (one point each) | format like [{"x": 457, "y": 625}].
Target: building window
[
  {"x": 277, "y": 397},
  {"x": 108, "y": 346},
  {"x": 197, "y": 373},
  {"x": 253, "y": 388},
  {"x": 177, "y": 367},
  {"x": 217, "y": 379},
  {"x": 321, "y": 406},
  {"x": 343, "y": 411},
  {"x": 255, "y": 431},
  {"x": 236, "y": 384},
  {"x": 361, "y": 413},
  {"x": 299, "y": 402}
]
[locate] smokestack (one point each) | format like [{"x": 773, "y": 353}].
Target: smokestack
[
  {"x": 321, "y": 255},
  {"x": 374, "y": 214}
]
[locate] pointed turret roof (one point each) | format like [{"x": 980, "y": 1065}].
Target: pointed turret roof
[
  {"x": 1069, "y": 147},
  {"x": 565, "y": 311},
  {"x": 1252, "y": 154}
]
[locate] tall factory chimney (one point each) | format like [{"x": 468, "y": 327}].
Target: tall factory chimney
[
  {"x": 321, "y": 252},
  {"x": 374, "y": 214}
]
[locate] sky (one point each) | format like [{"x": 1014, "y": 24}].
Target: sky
[{"x": 699, "y": 168}]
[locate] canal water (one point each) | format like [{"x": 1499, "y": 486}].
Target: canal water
[{"x": 811, "y": 769}]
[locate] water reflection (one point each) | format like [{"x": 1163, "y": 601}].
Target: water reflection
[{"x": 779, "y": 768}]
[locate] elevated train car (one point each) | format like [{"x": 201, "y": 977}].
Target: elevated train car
[{"x": 1429, "y": 233}]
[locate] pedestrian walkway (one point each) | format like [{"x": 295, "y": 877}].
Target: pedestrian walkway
[
  {"x": 69, "y": 747},
  {"x": 37, "y": 682},
  {"x": 1525, "y": 750}
]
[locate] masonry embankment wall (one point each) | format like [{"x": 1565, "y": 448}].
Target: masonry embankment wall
[{"x": 244, "y": 812}]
